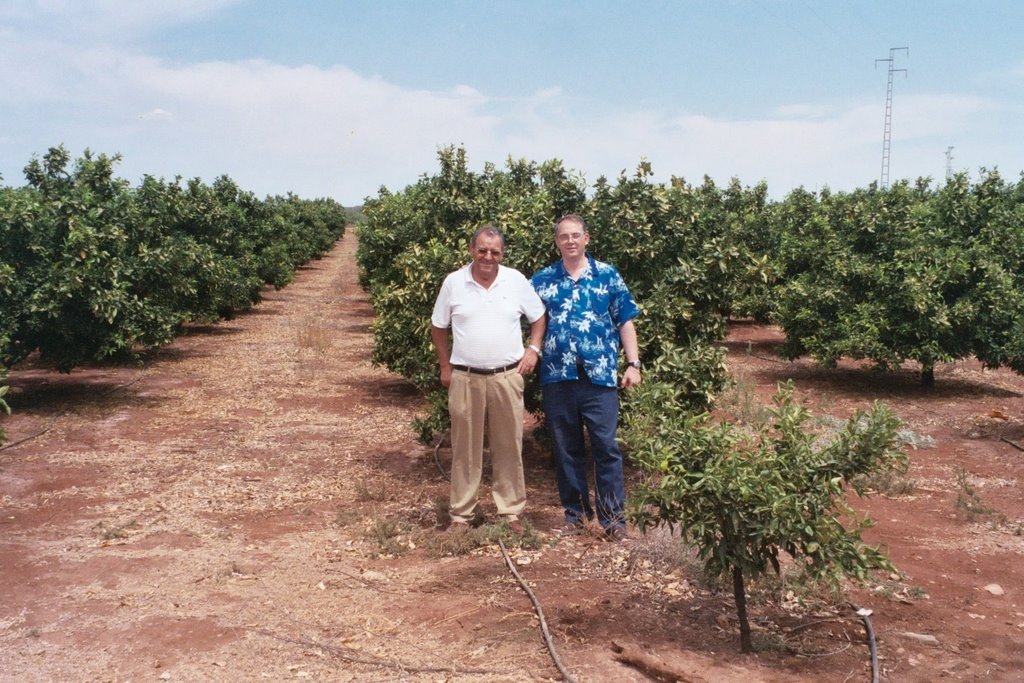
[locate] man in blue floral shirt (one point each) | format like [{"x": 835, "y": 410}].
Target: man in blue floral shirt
[{"x": 590, "y": 313}]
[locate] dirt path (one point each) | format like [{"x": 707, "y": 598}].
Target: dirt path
[{"x": 251, "y": 504}]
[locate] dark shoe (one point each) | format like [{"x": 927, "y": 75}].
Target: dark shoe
[{"x": 616, "y": 534}]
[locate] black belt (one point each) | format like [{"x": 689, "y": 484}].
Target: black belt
[{"x": 485, "y": 371}]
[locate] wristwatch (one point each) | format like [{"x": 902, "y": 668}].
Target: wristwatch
[
  {"x": 634, "y": 364},
  {"x": 534, "y": 349}
]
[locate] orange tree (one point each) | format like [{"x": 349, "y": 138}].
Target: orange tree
[
  {"x": 903, "y": 274},
  {"x": 69, "y": 233},
  {"x": 745, "y": 495},
  {"x": 91, "y": 267}
]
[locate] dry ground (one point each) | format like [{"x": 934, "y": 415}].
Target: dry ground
[{"x": 251, "y": 504}]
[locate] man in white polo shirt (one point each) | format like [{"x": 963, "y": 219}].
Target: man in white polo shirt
[{"x": 483, "y": 303}]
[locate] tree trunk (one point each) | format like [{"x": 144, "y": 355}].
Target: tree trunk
[
  {"x": 928, "y": 375},
  {"x": 740, "y": 595}
]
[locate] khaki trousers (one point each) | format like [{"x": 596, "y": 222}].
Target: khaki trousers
[{"x": 495, "y": 401}]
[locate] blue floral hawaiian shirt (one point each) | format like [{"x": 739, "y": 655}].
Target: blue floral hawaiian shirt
[{"x": 584, "y": 317}]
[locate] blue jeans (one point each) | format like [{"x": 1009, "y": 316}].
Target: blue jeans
[{"x": 569, "y": 407}]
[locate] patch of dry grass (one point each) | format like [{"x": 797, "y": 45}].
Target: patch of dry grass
[{"x": 313, "y": 335}]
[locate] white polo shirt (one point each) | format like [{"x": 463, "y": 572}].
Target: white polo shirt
[{"x": 486, "y": 332}]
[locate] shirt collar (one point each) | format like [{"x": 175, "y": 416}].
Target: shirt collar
[
  {"x": 591, "y": 263},
  {"x": 468, "y": 275}
]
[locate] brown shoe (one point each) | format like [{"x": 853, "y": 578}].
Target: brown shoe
[
  {"x": 456, "y": 528},
  {"x": 516, "y": 526},
  {"x": 616, "y": 534}
]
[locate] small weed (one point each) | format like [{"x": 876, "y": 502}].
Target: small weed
[
  {"x": 33, "y": 633},
  {"x": 346, "y": 517},
  {"x": 454, "y": 541},
  {"x": 528, "y": 538},
  {"x": 462, "y": 539},
  {"x": 917, "y": 593},
  {"x": 967, "y": 499},
  {"x": 392, "y": 537},
  {"x": 113, "y": 533},
  {"x": 895, "y": 589},
  {"x": 888, "y": 482},
  {"x": 765, "y": 641},
  {"x": 364, "y": 493}
]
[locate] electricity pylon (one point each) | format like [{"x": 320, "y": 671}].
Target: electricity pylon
[{"x": 887, "y": 136}]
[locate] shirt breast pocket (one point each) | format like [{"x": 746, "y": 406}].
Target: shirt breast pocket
[{"x": 599, "y": 301}]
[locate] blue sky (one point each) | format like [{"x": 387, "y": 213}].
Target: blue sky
[{"x": 340, "y": 98}]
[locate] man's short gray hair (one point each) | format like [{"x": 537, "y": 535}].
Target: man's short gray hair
[
  {"x": 571, "y": 218},
  {"x": 490, "y": 231}
]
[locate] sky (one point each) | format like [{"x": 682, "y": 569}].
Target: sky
[{"x": 340, "y": 98}]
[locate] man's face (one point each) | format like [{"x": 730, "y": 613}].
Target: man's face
[
  {"x": 571, "y": 239},
  {"x": 486, "y": 253}
]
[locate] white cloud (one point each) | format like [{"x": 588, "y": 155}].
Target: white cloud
[
  {"x": 334, "y": 132},
  {"x": 273, "y": 128},
  {"x": 930, "y": 114}
]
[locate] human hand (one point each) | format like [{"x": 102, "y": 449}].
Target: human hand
[
  {"x": 528, "y": 362},
  {"x": 631, "y": 377}
]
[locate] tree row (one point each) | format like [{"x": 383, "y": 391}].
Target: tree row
[{"x": 92, "y": 267}]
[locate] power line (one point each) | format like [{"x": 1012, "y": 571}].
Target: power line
[{"x": 887, "y": 135}]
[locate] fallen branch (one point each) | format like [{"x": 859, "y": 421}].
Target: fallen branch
[
  {"x": 1015, "y": 445},
  {"x": 650, "y": 666},
  {"x": 540, "y": 614},
  {"x": 36, "y": 435}
]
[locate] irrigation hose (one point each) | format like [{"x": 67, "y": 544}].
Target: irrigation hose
[{"x": 872, "y": 643}]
